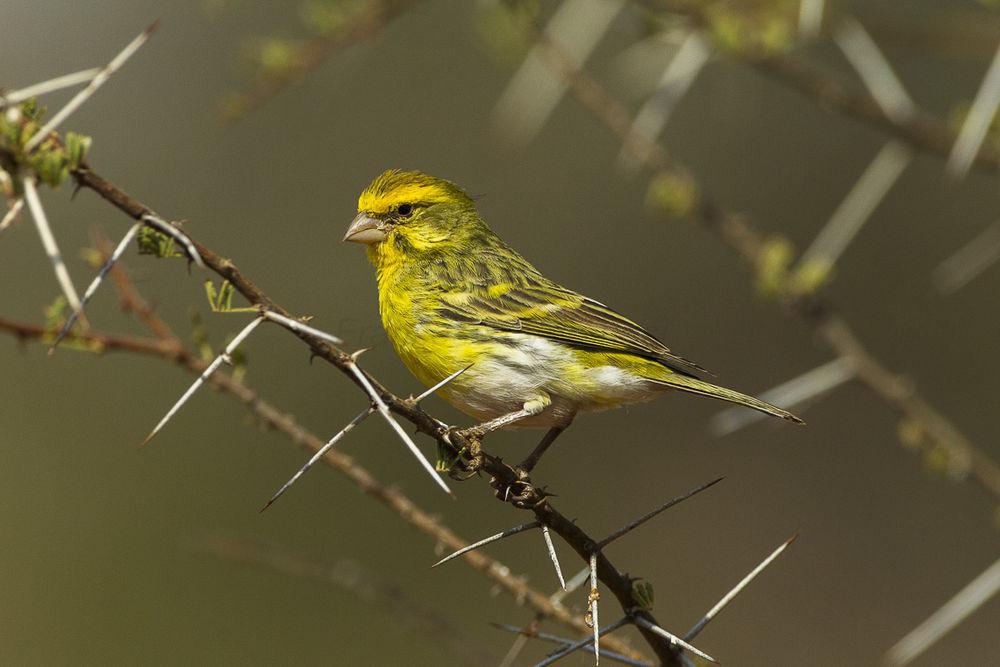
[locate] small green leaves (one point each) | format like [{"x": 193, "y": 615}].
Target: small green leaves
[
  {"x": 53, "y": 159},
  {"x": 277, "y": 56},
  {"x": 773, "y": 264},
  {"x": 777, "y": 279},
  {"x": 77, "y": 146},
  {"x": 642, "y": 594},
  {"x": 761, "y": 29},
  {"x": 672, "y": 193},
  {"x": 221, "y": 300},
  {"x": 152, "y": 242}
]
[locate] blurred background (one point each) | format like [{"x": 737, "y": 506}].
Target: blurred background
[{"x": 111, "y": 554}]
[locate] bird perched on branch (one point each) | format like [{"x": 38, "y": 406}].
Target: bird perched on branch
[{"x": 453, "y": 295}]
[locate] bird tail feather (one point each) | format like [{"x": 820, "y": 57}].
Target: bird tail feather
[{"x": 696, "y": 386}]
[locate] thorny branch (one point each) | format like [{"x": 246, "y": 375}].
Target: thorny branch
[
  {"x": 172, "y": 350},
  {"x": 967, "y": 461},
  {"x": 511, "y": 484}
]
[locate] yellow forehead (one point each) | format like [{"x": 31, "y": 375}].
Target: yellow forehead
[{"x": 393, "y": 188}]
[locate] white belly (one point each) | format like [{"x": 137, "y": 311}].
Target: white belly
[{"x": 535, "y": 370}]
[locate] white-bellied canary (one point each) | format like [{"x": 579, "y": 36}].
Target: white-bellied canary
[{"x": 453, "y": 295}]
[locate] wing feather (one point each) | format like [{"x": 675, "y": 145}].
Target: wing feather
[{"x": 543, "y": 308}]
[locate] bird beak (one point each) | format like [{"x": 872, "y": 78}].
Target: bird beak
[{"x": 365, "y": 229}]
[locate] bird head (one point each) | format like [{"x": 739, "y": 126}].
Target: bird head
[{"x": 405, "y": 213}]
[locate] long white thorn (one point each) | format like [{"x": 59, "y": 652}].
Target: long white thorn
[
  {"x": 744, "y": 582},
  {"x": 441, "y": 384},
  {"x": 673, "y": 639},
  {"x": 977, "y": 122},
  {"x": 552, "y": 555},
  {"x": 383, "y": 410},
  {"x": 592, "y": 599},
  {"x": 811, "y": 18},
  {"x": 690, "y": 58},
  {"x": 218, "y": 361},
  {"x": 534, "y": 92},
  {"x": 103, "y": 75},
  {"x": 966, "y": 601},
  {"x": 295, "y": 325},
  {"x": 98, "y": 279},
  {"x": 11, "y": 215},
  {"x": 874, "y": 69},
  {"x": 968, "y": 261},
  {"x": 162, "y": 225},
  {"x": 319, "y": 454},
  {"x": 492, "y": 538},
  {"x": 43, "y": 87},
  {"x": 49, "y": 242},
  {"x": 859, "y": 204}
]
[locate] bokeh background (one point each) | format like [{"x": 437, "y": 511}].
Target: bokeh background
[{"x": 105, "y": 551}]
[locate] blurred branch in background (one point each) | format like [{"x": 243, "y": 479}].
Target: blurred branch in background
[
  {"x": 919, "y": 129},
  {"x": 407, "y": 614},
  {"x": 941, "y": 622},
  {"x": 935, "y": 435},
  {"x": 335, "y": 26}
]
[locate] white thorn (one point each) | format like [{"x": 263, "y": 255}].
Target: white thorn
[
  {"x": 49, "y": 242},
  {"x": 103, "y": 75},
  {"x": 300, "y": 327},
  {"x": 977, "y": 122},
  {"x": 492, "y": 538},
  {"x": 875, "y": 70},
  {"x": 218, "y": 361},
  {"x": 383, "y": 410},
  {"x": 319, "y": 454},
  {"x": 92, "y": 288},
  {"x": 673, "y": 639},
  {"x": 728, "y": 597},
  {"x": 966, "y": 601},
  {"x": 552, "y": 555},
  {"x": 57, "y": 83}
]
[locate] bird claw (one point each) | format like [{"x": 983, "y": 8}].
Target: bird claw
[{"x": 521, "y": 493}]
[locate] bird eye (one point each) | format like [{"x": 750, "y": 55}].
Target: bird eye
[{"x": 405, "y": 210}]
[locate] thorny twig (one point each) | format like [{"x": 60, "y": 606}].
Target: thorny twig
[
  {"x": 464, "y": 444},
  {"x": 169, "y": 348}
]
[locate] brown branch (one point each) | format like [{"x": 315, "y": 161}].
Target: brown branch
[
  {"x": 463, "y": 444},
  {"x": 284, "y": 423},
  {"x": 815, "y": 311},
  {"x": 410, "y": 614}
]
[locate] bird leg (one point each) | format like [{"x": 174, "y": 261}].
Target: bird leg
[
  {"x": 530, "y": 409},
  {"x": 536, "y": 454}
]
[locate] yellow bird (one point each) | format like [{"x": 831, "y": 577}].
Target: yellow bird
[{"x": 453, "y": 295}]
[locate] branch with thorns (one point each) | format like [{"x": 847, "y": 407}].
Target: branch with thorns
[{"x": 464, "y": 448}]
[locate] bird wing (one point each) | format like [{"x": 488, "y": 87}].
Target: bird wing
[{"x": 543, "y": 308}]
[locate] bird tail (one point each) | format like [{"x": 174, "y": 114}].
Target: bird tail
[{"x": 696, "y": 386}]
